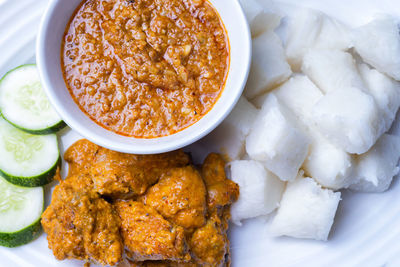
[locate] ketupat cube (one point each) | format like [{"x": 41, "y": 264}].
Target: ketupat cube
[
  {"x": 242, "y": 116},
  {"x": 269, "y": 67},
  {"x": 325, "y": 163},
  {"x": 376, "y": 168},
  {"x": 310, "y": 29},
  {"x": 260, "y": 190},
  {"x": 306, "y": 210},
  {"x": 378, "y": 43},
  {"x": 329, "y": 165},
  {"x": 385, "y": 91},
  {"x": 303, "y": 30},
  {"x": 300, "y": 95},
  {"x": 277, "y": 140},
  {"x": 349, "y": 118},
  {"x": 229, "y": 137},
  {"x": 333, "y": 35},
  {"x": 332, "y": 69},
  {"x": 259, "y": 18}
]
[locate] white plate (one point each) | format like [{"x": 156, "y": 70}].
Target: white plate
[{"x": 367, "y": 227}]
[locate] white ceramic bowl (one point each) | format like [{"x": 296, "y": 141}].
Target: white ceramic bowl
[{"x": 48, "y": 60}]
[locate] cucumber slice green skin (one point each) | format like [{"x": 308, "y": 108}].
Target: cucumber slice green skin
[
  {"x": 21, "y": 237},
  {"x": 53, "y": 129},
  {"x": 49, "y": 130},
  {"x": 39, "y": 180}
]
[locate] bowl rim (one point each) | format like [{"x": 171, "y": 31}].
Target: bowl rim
[{"x": 159, "y": 144}]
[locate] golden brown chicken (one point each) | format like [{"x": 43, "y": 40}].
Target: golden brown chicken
[
  {"x": 180, "y": 197},
  {"x": 158, "y": 209},
  {"x": 209, "y": 244},
  {"x": 148, "y": 236},
  {"x": 81, "y": 225},
  {"x": 221, "y": 192},
  {"x": 121, "y": 175}
]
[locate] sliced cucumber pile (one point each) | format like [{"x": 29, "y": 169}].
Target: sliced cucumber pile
[
  {"x": 26, "y": 159},
  {"x": 24, "y": 104},
  {"x": 20, "y": 212}
]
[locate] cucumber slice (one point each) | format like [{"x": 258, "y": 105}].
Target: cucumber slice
[
  {"x": 20, "y": 212},
  {"x": 26, "y": 159},
  {"x": 24, "y": 104}
]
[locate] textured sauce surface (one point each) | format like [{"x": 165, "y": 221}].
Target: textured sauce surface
[{"x": 145, "y": 68}]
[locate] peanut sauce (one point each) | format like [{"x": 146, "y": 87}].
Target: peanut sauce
[{"x": 145, "y": 68}]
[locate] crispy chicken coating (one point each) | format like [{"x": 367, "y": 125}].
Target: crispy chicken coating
[
  {"x": 209, "y": 244},
  {"x": 81, "y": 225},
  {"x": 221, "y": 192},
  {"x": 148, "y": 236},
  {"x": 161, "y": 210},
  {"x": 180, "y": 197},
  {"x": 115, "y": 173},
  {"x": 80, "y": 156},
  {"x": 121, "y": 175}
]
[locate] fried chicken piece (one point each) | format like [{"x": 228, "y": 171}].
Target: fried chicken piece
[
  {"x": 148, "y": 236},
  {"x": 221, "y": 191},
  {"x": 81, "y": 225},
  {"x": 180, "y": 197},
  {"x": 210, "y": 244},
  {"x": 123, "y": 175},
  {"x": 120, "y": 175},
  {"x": 80, "y": 156}
]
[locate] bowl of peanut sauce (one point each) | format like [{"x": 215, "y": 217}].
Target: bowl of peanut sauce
[{"x": 143, "y": 76}]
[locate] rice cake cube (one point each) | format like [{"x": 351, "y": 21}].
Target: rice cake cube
[
  {"x": 277, "y": 140},
  {"x": 349, "y": 118},
  {"x": 326, "y": 163},
  {"x": 329, "y": 165},
  {"x": 260, "y": 16},
  {"x": 269, "y": 67},
  {"x": 260, "y": 190},
  {"x": 310, "y": 29},
  {"x": 376, "y": 168},
  {"x": 230, "y": 135},
  {"x": 378, "y": 43},
  {"x": 333, "y": 35},
  {"x": 300, "y": 95},
  {"x": 385, "y": 91},
  {"x": 306, "y": 210},
  {"x": 259, "y": 100},
  {"x": 242, "y": 116},
  {"x": 303, "y": 30},
  {"x": 331, "y": 69}
]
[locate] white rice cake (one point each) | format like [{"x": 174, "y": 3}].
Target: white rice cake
[
  {"x": 332, "y": 69},
  {"x": 306, "y": 211},
  {"x": 300, "y": 95},
  {"x": 229, "y": 137},
  {"x": 333, "y": 35},
  {"x": 303, "y": 29},
  {"x": 376, "y": 168},
  {"x": 385, "y": 91},
  {"x": 349, "y": 118},
  {"x": 269, "y": 67},
  {"x": 259, "y": 100},
  {"x": 329, "y": 165},
  {"x": 310, "y": 29},
  {"x": 260, "y": 190},
  {"x": 326, "y": 163},
  {"x": 259, "y": 18},
  {"x": 277, "y": 140},
  {"x": 378, "y": 43}
]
